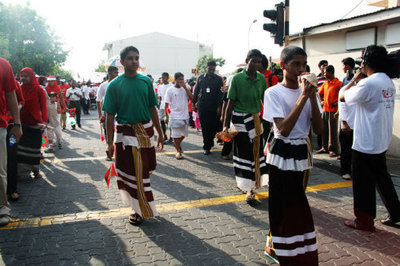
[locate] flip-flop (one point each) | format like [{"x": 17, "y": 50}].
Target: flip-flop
[
  {"x": 135, "y": 219},
  {"x": 355, "y": 225},
  {"x": 179, "y": 156},
  {"x": 15, "y": 197}
]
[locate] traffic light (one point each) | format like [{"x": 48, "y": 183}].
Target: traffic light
[{"x": 276, "y": 29}]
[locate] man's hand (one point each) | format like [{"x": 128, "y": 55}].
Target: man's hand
[
  {"x": 102, "y": 118},
  {"x": 17, "y": 132},
  {"x": 160, "y": 142},
  {"x": 307, "y": 88},
  {"x": 345, "y": 128},
  {"x": 110, "y": 150},
  {"x": 336, "y": 115}
]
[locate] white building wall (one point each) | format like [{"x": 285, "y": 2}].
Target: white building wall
[
  {"x": 164, "y": 53},
  {"x": 331, "y": 46}
]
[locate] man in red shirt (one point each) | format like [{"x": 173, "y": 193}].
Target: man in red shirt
[
  {"x": 8, "y": 99},
  {"x": 63, "y": 88},
  {"x": 272, "y": 80},
  {"x": 330, "y": 92}
]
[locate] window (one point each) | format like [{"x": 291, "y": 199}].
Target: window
[
  {"x": 393, "y": 34},
  {"x": 360, "y": 39}
]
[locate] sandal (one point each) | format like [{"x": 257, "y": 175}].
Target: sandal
[
  {"x": 37, "y": 175},
  {"x": 179, "y": 156},
  {"x": 270, "y": 253},
  {"x": 389, "y": 221},
  {"x": 357, "y": 226},
  {"x": 250, "y": 197},
  {"x": 135, "y": 219},
  {"x": 14, "y": 196}
]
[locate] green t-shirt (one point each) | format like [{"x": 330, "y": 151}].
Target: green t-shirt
[
  {"x": 130, "y": 99},
  {"x": 247, "y": 94}
]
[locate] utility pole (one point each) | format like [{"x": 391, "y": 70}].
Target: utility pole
[{"x": 286, "y": 23}]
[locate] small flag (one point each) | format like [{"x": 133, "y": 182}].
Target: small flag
[
  {"x": 64, "y": 110},
  {"x": 101, "y": 134},
  {"x": 110, "y": 173},
  {"x": 44, "y": 141},
  {"x": 72, "y": 112}
]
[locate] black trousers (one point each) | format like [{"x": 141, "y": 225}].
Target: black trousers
[
  {"x": 227, "y": 148},
  {"x": 346, "y": 141},
  {"x": 370, "y": 171},
  {"x": 208, "y": 121},
  {"x": 77, "y": 105},
  {"x": 12, "y": 165}
]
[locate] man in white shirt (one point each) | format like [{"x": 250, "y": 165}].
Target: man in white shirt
[
  {"x": 374, "y": 98},
  {"x": 101, "y": 92},
  {"x": 177, "y": 98},
  {"x": 162, "y": 89},
  {"x": 74, "y": 95},
  {"x": 85, "y": 97},
  {"x": 346, "y": 115}
]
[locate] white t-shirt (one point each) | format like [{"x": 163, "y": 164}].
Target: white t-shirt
[
  {"x": 101, "y": 92},
  {"x": 177, "y": 99},
  {"x": 162, "y": 90},
  {"x": 374, "y": 98},
  {"x": 346, "y": 112},
  {"x": 72, "y": 96},
  {"x": 279, "y": 101},
  {"x": 85, "y": 92}
]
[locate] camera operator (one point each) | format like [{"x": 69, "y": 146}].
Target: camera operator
[{"x": 374, "y": 98}]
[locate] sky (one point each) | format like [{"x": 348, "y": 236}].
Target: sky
[{"x": 84, "y": 26}]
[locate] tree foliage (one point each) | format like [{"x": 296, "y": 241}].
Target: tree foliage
[
  {"x": 62, "y": 73},
  {"x": 202, "y": 62},
  {"x": 101, "y": 67},
  {"x": 27, "y": 41}
]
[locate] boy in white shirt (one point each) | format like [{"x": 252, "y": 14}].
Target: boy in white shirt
[
  {"x": 176, "y": 98},
  {"x": 374, "y": 98},
  {"x": 292, "y": 107}
]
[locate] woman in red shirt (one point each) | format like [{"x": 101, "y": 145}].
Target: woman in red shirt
[{"x": 33, "y": 116}]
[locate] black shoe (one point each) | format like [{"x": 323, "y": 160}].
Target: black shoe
[
  {"x": 73, "y": 127},
  {"x": 79, "y": 125},
  {"x": 207, "y": 152}
]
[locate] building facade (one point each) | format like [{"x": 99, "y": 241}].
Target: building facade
[
  {"x": 346, "y": 38},
  {"x": 162, "y": 53}
]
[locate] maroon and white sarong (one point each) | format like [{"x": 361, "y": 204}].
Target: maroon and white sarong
[{"x": 135, "y": 160}]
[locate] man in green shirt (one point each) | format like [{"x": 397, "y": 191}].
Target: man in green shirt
[
  {"x": 131, "y": 101},
  {"x": 245, "y": 96}
]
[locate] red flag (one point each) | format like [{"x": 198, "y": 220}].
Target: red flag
[
  {"x": 72, "y": 112},
  {"x": 101, "y": 134},
  {"x": 44, "y": 141},
  {"x": 110, "y": 173}
]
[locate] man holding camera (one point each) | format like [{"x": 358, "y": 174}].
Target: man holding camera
[{"x": 374, "y": 98}]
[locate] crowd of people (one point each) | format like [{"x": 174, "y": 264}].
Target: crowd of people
[{"x": 266, "y": 117}]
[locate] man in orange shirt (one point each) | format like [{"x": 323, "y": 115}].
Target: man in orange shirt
[{"x": 330, "y": 91}]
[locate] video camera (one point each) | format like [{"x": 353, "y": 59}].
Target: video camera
[{"x": 392, "y": 67}]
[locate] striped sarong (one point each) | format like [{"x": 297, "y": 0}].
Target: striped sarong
[
  {"x": 29, "y": 150},
  {"x": 135, "y": 159},
  {"x": 292, "y": 235},
  {"x": 248, "y": 158}
]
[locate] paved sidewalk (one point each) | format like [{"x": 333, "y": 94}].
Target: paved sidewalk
[{"x": 71, "y": 217}]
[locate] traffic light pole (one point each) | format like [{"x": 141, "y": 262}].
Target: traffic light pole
[{"x": 286, "y": 23}]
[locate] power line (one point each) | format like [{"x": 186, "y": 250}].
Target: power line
[{"x": 353, "y": 9}]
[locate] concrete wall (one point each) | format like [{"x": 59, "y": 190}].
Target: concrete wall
[
  {"x": 331, "y": 46},
  {"x": 164, "y": 53}
]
